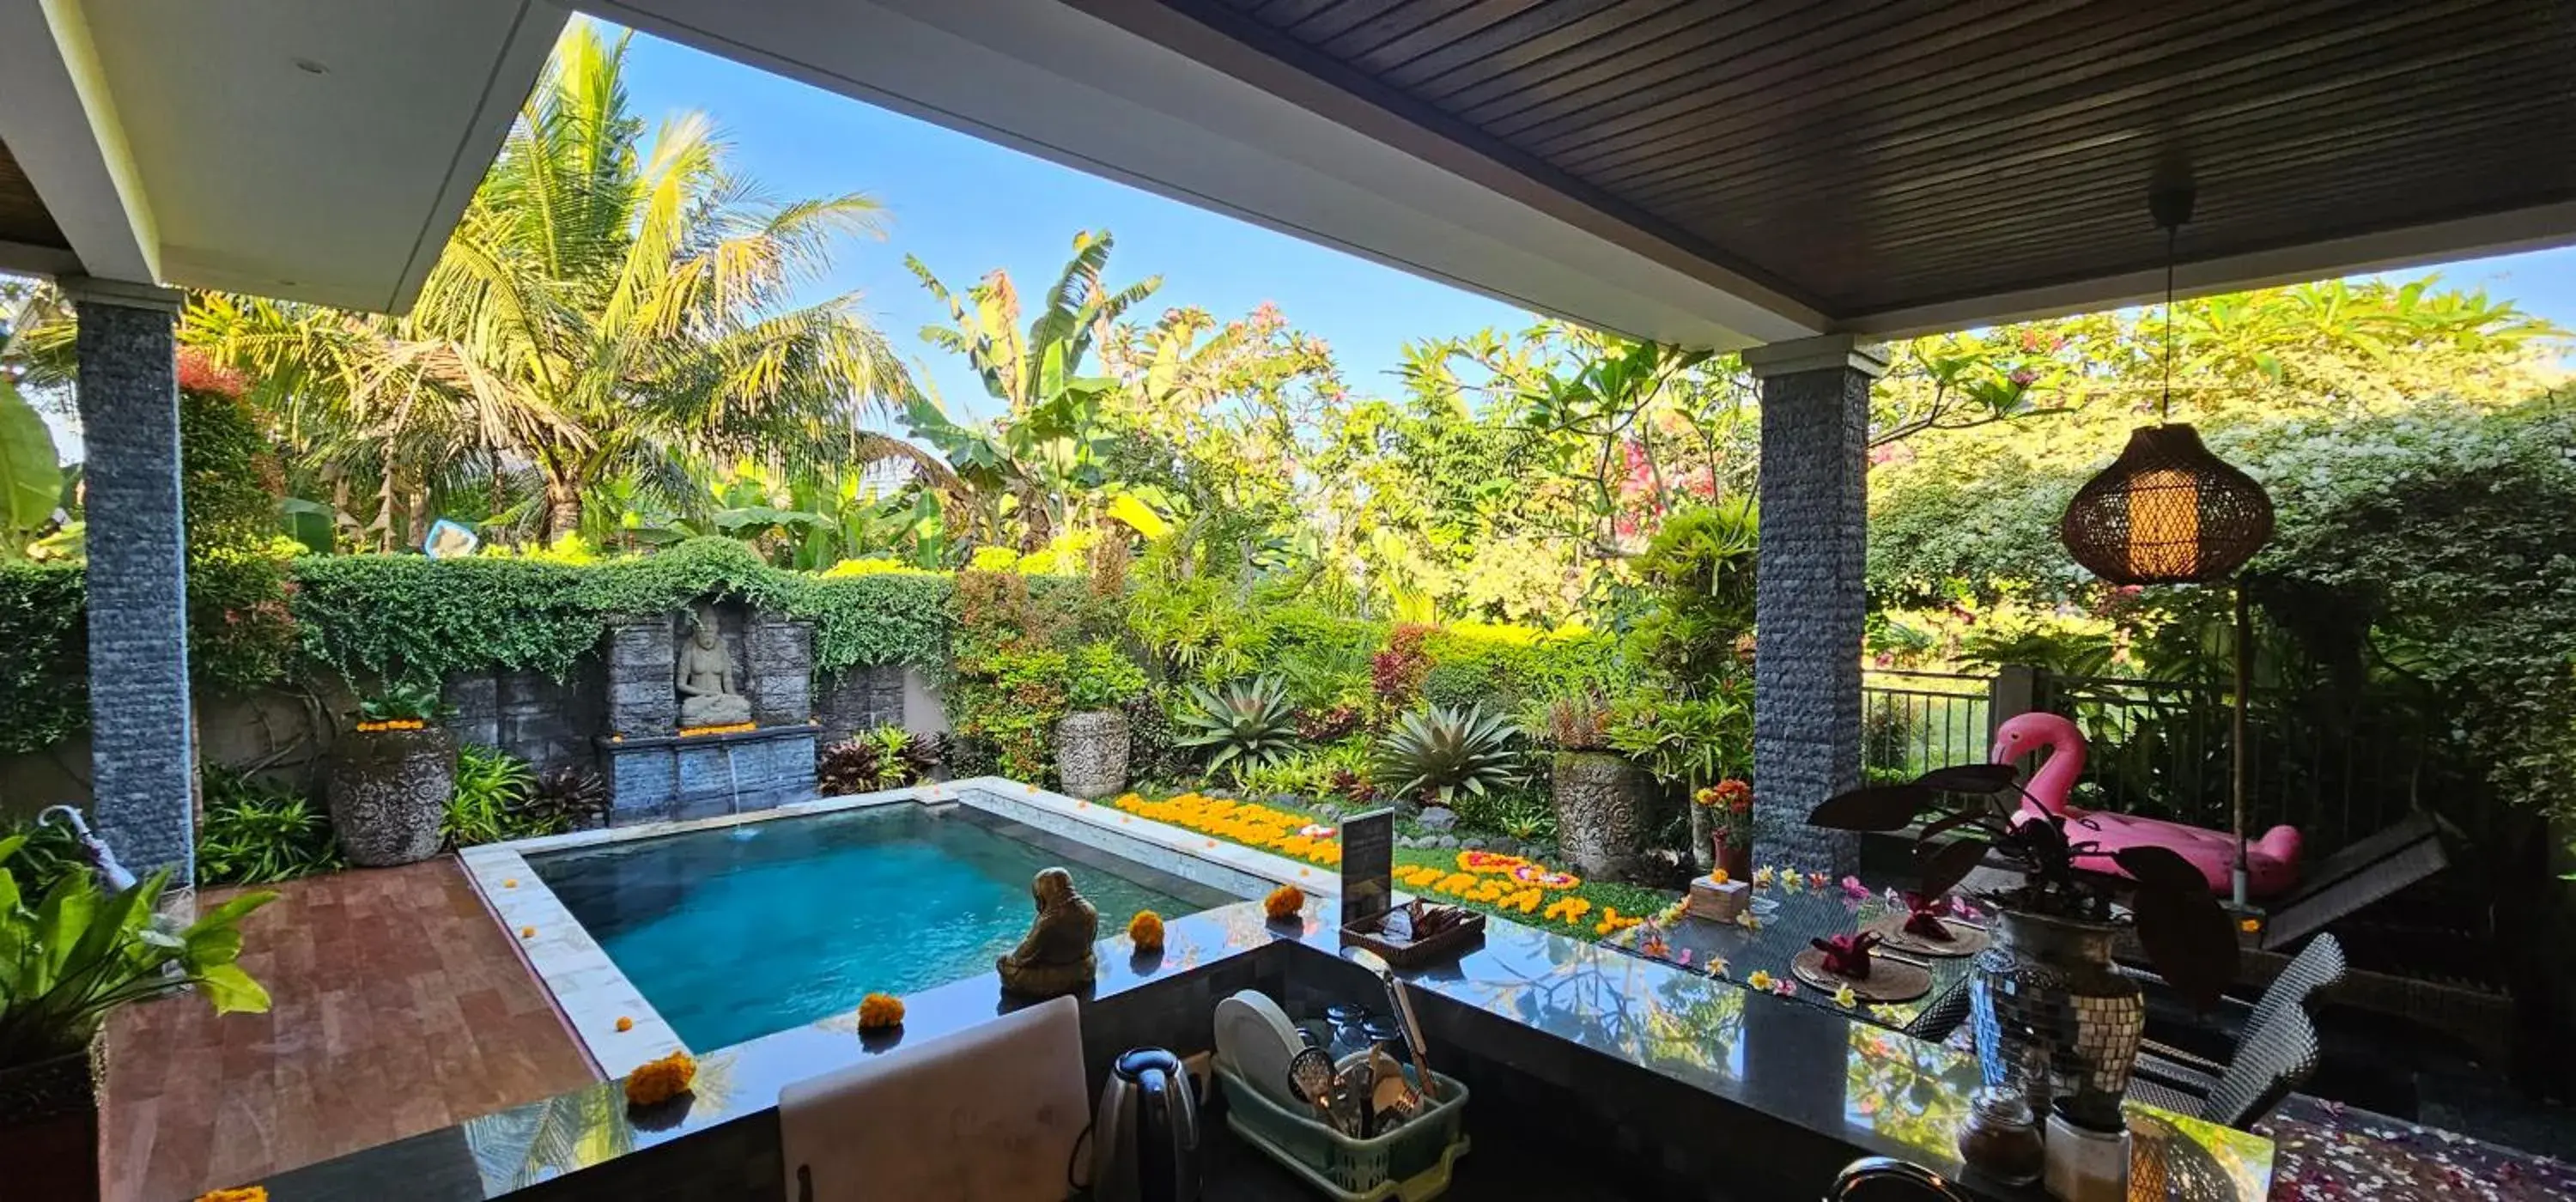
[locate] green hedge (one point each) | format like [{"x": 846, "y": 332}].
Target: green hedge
[
  {"x": 1505, "y": 673},
  {"x": 44, "y": 682},
  {"x": 407, "y": 615}
]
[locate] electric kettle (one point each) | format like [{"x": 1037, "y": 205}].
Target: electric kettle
[{"x": 1145, "y": 1137}]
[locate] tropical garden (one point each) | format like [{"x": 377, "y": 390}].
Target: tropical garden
[{"x": 1512, "y": 581}]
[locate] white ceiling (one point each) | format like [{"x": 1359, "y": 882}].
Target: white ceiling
[{"x": 318, "y": 150}]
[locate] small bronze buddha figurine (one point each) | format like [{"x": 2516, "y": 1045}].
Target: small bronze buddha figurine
[{"x": 1056, "y": 957}]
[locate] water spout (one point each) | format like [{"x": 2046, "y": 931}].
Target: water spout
[
  {"x": 111, "y": 875},
  {"x": 733, "y": 784}
]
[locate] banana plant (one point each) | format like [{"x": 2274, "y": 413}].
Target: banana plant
[{"x": 31, "y": 478}]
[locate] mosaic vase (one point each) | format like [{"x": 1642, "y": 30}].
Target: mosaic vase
[
  {"x": 2045, "y": 992},
  {"x": 1091, "y": 753}
]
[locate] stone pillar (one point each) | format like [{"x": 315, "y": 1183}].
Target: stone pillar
[
  {"x": 1809, "y": 597},
  {"x": 780, "y": 677},
  {"x": 144, "y": 773},
  {"x": 641, "y": 701}
]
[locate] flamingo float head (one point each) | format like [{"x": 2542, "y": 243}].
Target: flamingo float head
[{"x": 2025, "y": 734}]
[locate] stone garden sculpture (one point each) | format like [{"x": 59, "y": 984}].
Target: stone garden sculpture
[
  {"x": 704, "y": 677},
  {"x": 1056, "y": 957}
]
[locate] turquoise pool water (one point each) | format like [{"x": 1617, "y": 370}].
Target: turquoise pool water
[{"x": 738, "y": 932}]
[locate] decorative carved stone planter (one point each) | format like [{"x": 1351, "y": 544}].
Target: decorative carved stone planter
[
  {"x": 49, "y": 1124},
  {"x": 388, "y": 792},
  {"x": 1091, "y": 753},
  {"x": 1600, "y": 813}
]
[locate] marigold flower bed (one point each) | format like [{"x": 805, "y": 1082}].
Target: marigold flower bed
[{"x": 1511, "y": 887}]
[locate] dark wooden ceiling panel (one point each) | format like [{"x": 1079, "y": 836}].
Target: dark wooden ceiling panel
[
  {"x": 22, "y": 216},
  {"x": 1868, "y": 158}
]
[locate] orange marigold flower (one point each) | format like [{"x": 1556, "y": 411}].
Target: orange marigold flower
[
  {"x": 527, "y": 932},
  {"x": 247, "y": 1193},
  {"x": 625, "y": 1024},
  {"x": 657, "y": 1081},
  {"x": 878, "y": 1011},
  {"x": 1145, "y": 930},
  {"x": 1284, "y": 902}
]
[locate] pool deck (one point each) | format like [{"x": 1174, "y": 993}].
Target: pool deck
[{"x": 399, "y": 1007}]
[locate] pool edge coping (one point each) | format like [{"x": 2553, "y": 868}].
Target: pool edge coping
[{"x": 591, "y": 994}]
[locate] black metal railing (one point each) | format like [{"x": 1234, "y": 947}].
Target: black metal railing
[
  {"x": 2162, "y": 748},
  {"x": 1915, "y": 721}
]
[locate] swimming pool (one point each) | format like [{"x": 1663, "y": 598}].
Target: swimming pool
[{"x": 736, "y": 932}]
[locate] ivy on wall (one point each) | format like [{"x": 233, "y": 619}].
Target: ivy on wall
[{"x": 407, "y": 616}]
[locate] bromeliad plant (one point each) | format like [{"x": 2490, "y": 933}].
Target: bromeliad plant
[
  {"x": 1248, "y": 725},
  {"x": 2186, "y": 935},
  {"x": 401, "y": 706},
  {"x": 79, "y": 953},
  {"x": 1443, "y": 751}
]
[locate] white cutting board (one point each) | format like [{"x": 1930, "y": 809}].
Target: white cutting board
[{"x": 989, "y": 1114}]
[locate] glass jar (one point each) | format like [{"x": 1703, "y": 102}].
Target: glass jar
[
  {"x": 1381, "y": 1030},
  {"x": 2000, "y": 1140},
  {"x": 1347, "y": 1021}
]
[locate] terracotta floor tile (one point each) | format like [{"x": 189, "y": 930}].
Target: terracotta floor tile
[{"x": 399, "y": 1006}]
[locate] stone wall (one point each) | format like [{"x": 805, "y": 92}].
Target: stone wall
[
  {"x": 860, "y": 699},
  {"x": 546, "y": 722}
]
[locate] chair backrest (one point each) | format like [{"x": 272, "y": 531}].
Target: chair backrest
[
  {"x": 2272, "y": 1060},
  {"x": 2316, "y": 968},
  {"x": 1887, "y": 1179}
]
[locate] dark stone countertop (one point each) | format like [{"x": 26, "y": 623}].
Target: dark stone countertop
[{"x": 1749, "y": 1070}]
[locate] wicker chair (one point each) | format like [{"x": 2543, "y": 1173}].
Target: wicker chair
[
  {"x": 1887, "y": 1179},
  {"x": 2172, "y": 1072},
  {"x": 2272, "y": 1060}
]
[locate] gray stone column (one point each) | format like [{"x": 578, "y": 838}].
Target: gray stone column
[
  {"x": 141, "y": 749},
  {"x": 641, "y": 702},
  {"x": 1809, "y": 598},
  {"x": 780, "y": 676}
]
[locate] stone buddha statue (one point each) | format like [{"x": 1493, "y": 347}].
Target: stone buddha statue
[
  {"x": 1056, "y": 957},
  {"x": 703, "y": 674}
]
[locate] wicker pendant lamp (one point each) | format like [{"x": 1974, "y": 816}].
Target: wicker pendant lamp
[{"x": 2167, "y": 511}]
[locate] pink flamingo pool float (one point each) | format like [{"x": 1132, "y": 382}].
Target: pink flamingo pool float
[{"x": 2271, "y": 862}]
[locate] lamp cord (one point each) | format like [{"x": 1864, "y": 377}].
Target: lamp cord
[{"x": 2164, "y": 405}]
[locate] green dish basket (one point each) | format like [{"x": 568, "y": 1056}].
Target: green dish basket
[{"x": 1410, "y": 1163}]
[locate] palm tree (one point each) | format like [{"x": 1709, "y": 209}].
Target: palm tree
[{"x": 608, "y": 309}]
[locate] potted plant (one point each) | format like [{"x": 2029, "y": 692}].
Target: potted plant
[
  {"x": 68, "y": 960},
  {"x": 1726, "y": 809},
  {"x": 1599, "y": 819},
  {"x": 390, "y": 778},
  {"x": 1091, "y": 742},
  {"x": 2046, "y": 991}
]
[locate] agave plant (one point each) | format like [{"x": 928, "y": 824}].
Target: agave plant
[
  {"x": 1443, "y": 751},
  {"x": 1250, "y": 725}
]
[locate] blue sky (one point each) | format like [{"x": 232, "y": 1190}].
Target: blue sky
[{"x": 966, "y": 206}]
